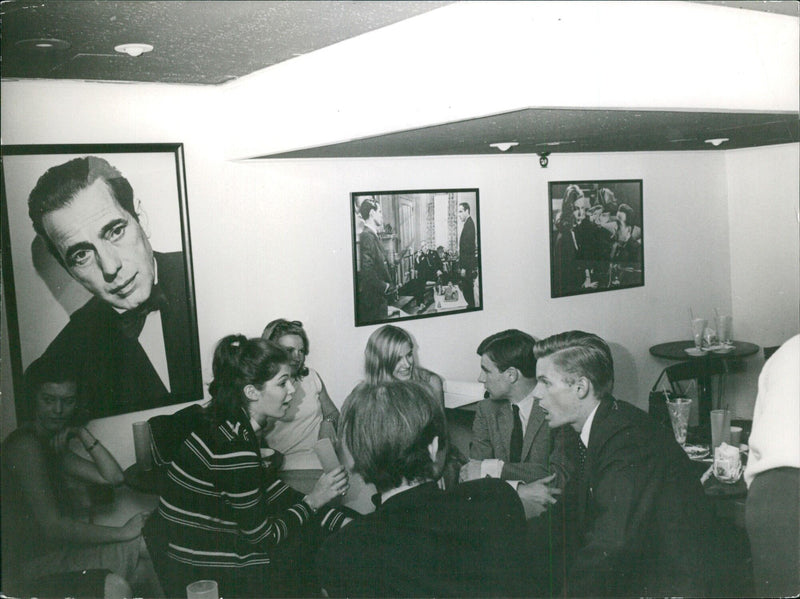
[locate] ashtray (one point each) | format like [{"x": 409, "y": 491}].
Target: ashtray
[{"x": 696, "y": 452}]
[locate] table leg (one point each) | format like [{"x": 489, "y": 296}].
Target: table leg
[{"x": 705, "y": 401}]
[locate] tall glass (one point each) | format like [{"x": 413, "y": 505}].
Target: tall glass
[
  {"x": 698, "y": 327},
  {"x": 724, "y": 326},
  {"x": 720, "y": 427},
  {"x": 679, "y": 408}
]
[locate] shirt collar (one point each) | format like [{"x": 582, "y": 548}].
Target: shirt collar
[
  {"x": 525, "y": 406},
  {"x": 587, "y": 426}
]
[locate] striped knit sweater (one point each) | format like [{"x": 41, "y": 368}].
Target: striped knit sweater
[{"x": 221, "y": 508}]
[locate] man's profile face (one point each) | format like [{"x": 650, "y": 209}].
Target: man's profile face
[
  {"x": 462, "y": 214},
  {"x": 103, "y": 247},
  {"x": 377, "y": 216},
  {"x": 494, "y": 381},
  {"x": 556, "y": 395}
]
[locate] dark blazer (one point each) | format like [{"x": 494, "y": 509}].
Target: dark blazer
[
  {"x": 543, "y": 451},
  {"x": 115, "y": 375},
  {"x": 467, "y": 245},
  {"x": 425, "y": 542},
  {"x": 373, "y": 278},
  {"x": 642, "y": 515}
]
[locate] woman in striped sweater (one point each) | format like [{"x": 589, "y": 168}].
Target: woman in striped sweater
[{"x": 222, "y": 514}]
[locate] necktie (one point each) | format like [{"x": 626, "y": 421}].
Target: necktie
[
  {"x": 132, "y": 322},
  {"x": 515, "y": 455},
  {"x": 581, "y": 458}
]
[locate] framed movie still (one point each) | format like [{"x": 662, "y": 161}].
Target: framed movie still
[
  {"x": 97, "y": 275},
  {"x": 596, "y": 236},
  {"x": 416, "y": 254}
]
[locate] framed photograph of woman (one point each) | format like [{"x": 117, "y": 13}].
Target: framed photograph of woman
[
  {"x": 97, "y": 272},
  {"x": 596, "y": 236},
  {"x": 416, "y": 254}
]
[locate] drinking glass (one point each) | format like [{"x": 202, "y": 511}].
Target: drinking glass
[
  {"x": 698, "y": 328},
  {"x": 724, "y": 326},
  {"x": 727, "y": 466},
  {"x": 202, "y": 589},
  {"x": 679, "y": 408},
  {"x": 720, "y": 427}
]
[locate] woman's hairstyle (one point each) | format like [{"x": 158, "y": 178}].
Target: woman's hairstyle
[
  {"x": 238, "y": 362},
  {"x": 511, "y": 348},
  {"x": 388, "y": 427},
  {"x": 578, "y": 354},
  {"x": 46, "y": 370},
  {"x": 280, "y": 327},
  {"x": 571, "y": 195},
  {"x": 383, "y": 352}
]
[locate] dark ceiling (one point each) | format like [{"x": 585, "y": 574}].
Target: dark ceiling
[
  {"x": 201, "y": 42},
  {"x": 212, "y": 42},
  {"x": 539, "y": 130}
]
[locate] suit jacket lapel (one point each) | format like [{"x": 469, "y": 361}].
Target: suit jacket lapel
[{"x": 535, "y": 422}]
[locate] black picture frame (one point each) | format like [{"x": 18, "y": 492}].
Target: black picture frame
[
  {"x": 395, "y": 276},
  {"x": 50, "y": 311},
  {"x": 599, "y": 246}
]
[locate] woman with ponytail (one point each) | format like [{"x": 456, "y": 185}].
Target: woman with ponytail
[{"x": 223, "y": 515}]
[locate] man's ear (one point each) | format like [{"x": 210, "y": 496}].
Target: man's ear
[
  {"x": 512, "y": 373},
  {"x": 144, "y": 220},
  {"x": 433, "y": 448},
  {"x": 582, "y": 387}
]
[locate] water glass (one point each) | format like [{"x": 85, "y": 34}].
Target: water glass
[
  {"x": 202, "y": 589},
  {"x": 720, "y": 427},
  {"x": 698, "y": 328},
  {"x": 724, "y": 326},
  {"x": 679, "y": 408}
]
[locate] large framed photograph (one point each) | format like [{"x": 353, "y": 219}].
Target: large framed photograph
[
  {"x": 596, "y": 236},
  {"x": 97, "y": 275},
  {"x": 416, "y": 254}
]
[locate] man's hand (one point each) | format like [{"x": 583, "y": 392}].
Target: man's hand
[
  {"x": 537, "y": 496},
  {"x": 470, "y": 471}
]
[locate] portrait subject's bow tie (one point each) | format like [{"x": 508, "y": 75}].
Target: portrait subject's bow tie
[{"x": 132, "y": 322}]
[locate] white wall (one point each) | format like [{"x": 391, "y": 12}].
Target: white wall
[{"x": 763, "y": 212}]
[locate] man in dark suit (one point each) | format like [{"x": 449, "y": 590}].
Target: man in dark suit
[
  {"x": 642, "y": 515},
  {"x": 421, "y": 541},
  {"x": 374, "y": 280},
  {"x": 131, "y": 344},
  {"x": 466, "y": 254}
]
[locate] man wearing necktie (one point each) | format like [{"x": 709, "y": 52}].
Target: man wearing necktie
[
  {"x": 511, "y": 441},
  {"x": 642, "y": 516},
  {"x": 131, "y": 343}
]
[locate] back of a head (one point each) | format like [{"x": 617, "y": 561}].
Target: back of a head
[
  {"x": 280, "y": 327},
  {"x": 59, "y": 184},
  {"x": 508, "y": 348},
  {"x": 366, "y": 207},
  {"x": 576, "y": 354},
  {"x": 238, "y": 362},
  {"x": 387, "y": 428},
  {"x": 383, "y": 351}
]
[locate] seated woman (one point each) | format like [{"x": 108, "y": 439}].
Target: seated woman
[
  {"x": 47, "y": 548},
  {"x": 222, "y": 514},
  {"x": 421, "y": 541},
  {"x": 389, "y": 356},
  {"x": 311, "y": 414}
]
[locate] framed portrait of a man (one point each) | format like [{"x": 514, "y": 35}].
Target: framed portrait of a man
[
  {"x": 97, "y": 273},
  {"x": 416, "y": 254},
  {"x": 596, "y": 236}
]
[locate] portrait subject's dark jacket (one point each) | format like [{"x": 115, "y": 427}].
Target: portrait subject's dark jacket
[
  {"x": 425, "y": 542},
  {"x": 466, "y": 247},
  {"x": 115, "y": 375},
  {"x": 372, "y": 278},
  {"x": 643, "y": 516}
]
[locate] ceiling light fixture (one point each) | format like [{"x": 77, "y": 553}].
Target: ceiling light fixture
[
  {"x": 133, "y": 49},
  {"x": 717, "y": 141},
  {"x": 42, "y": 44},
  {"x": 504, "y": 146}
]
